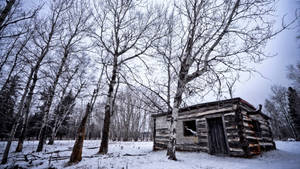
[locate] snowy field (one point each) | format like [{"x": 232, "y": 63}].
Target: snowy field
[{"x": 287, "y": 156}]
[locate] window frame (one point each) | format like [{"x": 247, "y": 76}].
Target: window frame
[{"x": 187, "y": 133}]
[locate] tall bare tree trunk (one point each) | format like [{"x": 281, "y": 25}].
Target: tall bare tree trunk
[
  {"x": 26, "y": 110},
  {"x": 17, "y": 119},
  {"x": 53, "y": 132},
  {"x": 19, "y": 114},
  {"x": 49, "y": 103},
  {"x": 68, "y": 48},
  {"x": 177, "y": 102},
  {"x": 52, "y": 137},
  {"x": 21, "y": 106},
  {"x": 186, "y": 62},
  {"x": 77, "y": 148},
  {"x": 108, "y": 109},
  {"x": 7, "y": 148},
  {"x": 42, "y": 132}
]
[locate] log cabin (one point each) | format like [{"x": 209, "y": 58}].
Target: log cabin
[{"x": 230, "y": 127}]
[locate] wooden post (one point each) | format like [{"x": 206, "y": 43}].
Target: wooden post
[{"x": 154, "y": 134}]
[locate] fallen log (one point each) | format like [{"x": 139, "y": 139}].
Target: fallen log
[
  {"x": 58, "y": 151},
  {"x": 134, "y": 154},
  {"x": 92, "y": 147}
]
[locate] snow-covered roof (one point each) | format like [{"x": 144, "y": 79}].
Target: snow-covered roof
[{"x": 215, "y": 103}]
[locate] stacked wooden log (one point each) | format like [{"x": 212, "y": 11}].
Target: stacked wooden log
[{"x": 246, "y": 130}]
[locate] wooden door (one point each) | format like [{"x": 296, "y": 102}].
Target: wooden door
[{"x": 217, "y": 142}]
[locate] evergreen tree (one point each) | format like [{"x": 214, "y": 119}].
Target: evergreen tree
[
  {"x": 34, "y": 125},
  {"x": 294, "y": 111},
  {"x": 8, "y": 98},
  {"x": 61, "y": 116},
  {"x": 35, "y": 120}
]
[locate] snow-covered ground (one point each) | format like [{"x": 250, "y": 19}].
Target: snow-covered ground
[{"x": 287, "y": 156}]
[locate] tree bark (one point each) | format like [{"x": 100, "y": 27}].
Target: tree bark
[
  {"x": 51, "y": 139},
  {"x": 27, "y": 108},
  {"x": 42, "y": 131},
  {"x": 177, "y": 102},
  {"x": 182, "y": 80},
  {"x": 108, "y": 108},
  {"x": 76, "y": 155}
]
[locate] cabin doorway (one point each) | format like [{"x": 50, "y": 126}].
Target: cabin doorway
[{"x": 216, "y": 136}]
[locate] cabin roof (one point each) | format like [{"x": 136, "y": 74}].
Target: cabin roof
[{"x": 214, "y": 103}]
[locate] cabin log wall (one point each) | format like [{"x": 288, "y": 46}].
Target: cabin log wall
[
  {"x": 162, "y": 132},
  {"x": 266, "y": 140},
  {"x": 250, "y": 135},
  {"x": 238, "y": 118},
  {"x": 202, "y": 132},
  {"x": 232, "y": 134}
]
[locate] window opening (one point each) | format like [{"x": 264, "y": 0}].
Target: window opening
[{"x": 189, "y": 128}]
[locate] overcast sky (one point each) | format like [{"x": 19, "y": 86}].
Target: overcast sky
[{"x": 287, "y": 50}]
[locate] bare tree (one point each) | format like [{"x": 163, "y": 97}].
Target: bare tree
[
  {"x": 26, "y": 111},
  {"x": 126, "y": 32},
  {"x": 11, "y": 15},
  {"x": 15, "y": 31},
  {"x": 16, "y": 49},
  {"x": 17, "y": 118},
  {"x": 276, "y": 121},
  {"x": 280, "y": 100},
  {"x": 130, "y": 116},
  {"x": 76, "y": 155},
  {"x": 63, "y": 111},
  {"x": 76, "y": 26},
  {"x": 215, "y": 39},
  {"x": 230, "y": 86},
  {"x": 277, "y": 107},
  {"x": 43, "y": 45}
]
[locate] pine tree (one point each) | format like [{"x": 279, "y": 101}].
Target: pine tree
[
  {"x": 34, "y": 125},
  {"x": 294, "y": 111},
  {"x": 7, "y": 104},
  {"x": 61, "y": 115}
]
